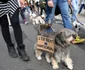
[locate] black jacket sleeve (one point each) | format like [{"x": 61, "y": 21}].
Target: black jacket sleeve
[{"x": 4, "y": 1}]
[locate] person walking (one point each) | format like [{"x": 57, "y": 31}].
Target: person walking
[
  {"x": 24, "y": 6},
  {"x": 11, "y": 8},
  {"x": 74, "y": 5},
  {"x": 64, "y": 9},
  {"x": 82, "y": 6},
  {"x": 42, "y": 6}
]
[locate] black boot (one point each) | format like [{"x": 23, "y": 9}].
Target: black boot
[
  {"x": 12, "y": 51},
  {"x": 22, "y": 53}
]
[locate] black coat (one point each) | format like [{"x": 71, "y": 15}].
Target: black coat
[{"x": 3, "y": 1}]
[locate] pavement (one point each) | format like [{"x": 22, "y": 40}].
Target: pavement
[{"x": 29, "y": 37}]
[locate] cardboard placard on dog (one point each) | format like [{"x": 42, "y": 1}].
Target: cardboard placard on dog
[{"x": 45, "y": 44}]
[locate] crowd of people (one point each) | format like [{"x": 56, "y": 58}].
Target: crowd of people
[
  {"x": 13, "y": 7},
  {"x": 42, "y": 8}
]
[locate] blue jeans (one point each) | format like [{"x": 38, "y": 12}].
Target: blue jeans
[
  {"x": 75, "y": 9},
  {"x": 64, "y": 8},
  {"x": 28, "y": 9},
  {"x": 23, "y": 10}
]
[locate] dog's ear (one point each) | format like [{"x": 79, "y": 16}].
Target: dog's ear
[
  {"x": 69, "y": 32},
  {"x": 59, "y": 39}
]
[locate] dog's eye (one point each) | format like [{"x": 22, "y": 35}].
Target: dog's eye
[{"x": 74, "y": 36}]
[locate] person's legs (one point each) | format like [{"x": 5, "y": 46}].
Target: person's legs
[
  {"x": 82, "y": 5},
  {"x": 75, "y": 9},
  {"x": 23, "y": 15},
  {"x": 64, "y": 8},
  {"x": 16, "y": 27},
  {"x": 5, "y": 29},
  {"x": 6, "y": 35},
  {"x": 18, "y": 35},
  {"x": 41, "y": 11},
  {"x": 50, "y": 13},
  {"x": 28, "y": 9}
]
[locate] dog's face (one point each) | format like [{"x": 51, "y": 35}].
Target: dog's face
[{"x": 65, "y": 37}]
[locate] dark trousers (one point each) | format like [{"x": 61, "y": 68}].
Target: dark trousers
[
  {"x": 81, "y": 7},
  {"x": 42, "y": 11},
  {"x": 16, "y": 27}
]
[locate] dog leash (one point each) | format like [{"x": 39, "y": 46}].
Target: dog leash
[
  {"x": 75, "y": 15},
  {"x": 78, "y": 39}
]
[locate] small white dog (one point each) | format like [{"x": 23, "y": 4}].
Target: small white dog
[{"x": 36, "y": 19}]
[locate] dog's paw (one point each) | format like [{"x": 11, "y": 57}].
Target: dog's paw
[
  {"x": 55, "y": 66},
  {"x": 69, "y": 63},
  {"x": 70, "y": 67},
  {"x": 48, "y": 60},
  {"x": 39, "y": 58}
]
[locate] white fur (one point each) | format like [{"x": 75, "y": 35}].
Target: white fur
[{"x": 36, "y": 19}]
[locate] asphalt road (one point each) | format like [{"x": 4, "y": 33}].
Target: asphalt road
[{"x": 29, "y": 37}]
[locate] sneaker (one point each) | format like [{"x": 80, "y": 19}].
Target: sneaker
[
  {"x": 25, "y": 22},
  {"x": 78, "y": 14}
]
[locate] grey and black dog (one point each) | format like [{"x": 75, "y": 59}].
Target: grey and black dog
[{"x": 63, "y": 40}]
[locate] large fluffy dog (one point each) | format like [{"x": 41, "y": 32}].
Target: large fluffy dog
[{"x": 63, "y": 40}]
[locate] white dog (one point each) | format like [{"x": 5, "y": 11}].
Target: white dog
[{"x": 36, "y": 19}]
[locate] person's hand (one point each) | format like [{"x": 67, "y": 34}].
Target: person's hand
[
  {"x": 69, "y": 2},
  {"x": 50, "y": 3},
  {"x": 22, "y": 2}
]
